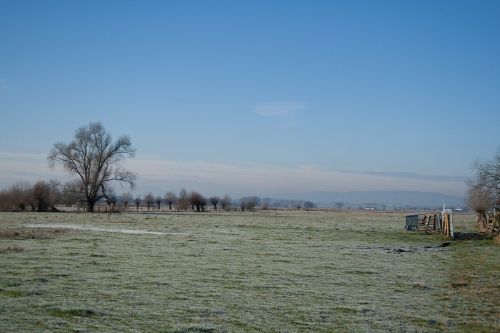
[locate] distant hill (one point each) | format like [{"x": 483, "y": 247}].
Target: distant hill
[{"x": 387, "y": 198}]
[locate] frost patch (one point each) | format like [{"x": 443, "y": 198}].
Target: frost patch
[{"x": 93, "y": 228}]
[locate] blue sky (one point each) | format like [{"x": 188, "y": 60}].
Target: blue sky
[{"x": 268, "y": 95}]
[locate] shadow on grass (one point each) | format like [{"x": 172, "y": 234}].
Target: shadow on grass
[
  {"x": 195, "y": 329},
  {"x": 472, "y": 236},
  {"x": 70, "y": 313}
]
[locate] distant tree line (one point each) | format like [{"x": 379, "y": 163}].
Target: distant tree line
[
  {"x": 47, "y": 196},
  {"x": 40, "y": 197}
]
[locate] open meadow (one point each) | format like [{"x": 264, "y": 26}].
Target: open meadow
[{"x": 269, "y": 271}]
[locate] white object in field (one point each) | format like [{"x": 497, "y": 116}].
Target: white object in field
[{"x": 450, "y": 212}]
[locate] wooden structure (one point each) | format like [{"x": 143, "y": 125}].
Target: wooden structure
[
  {"x": 427, "y": 223},
  {"x": 431, "y": 223},
  {"x": 447, "y": 223},
  {"x": 493, "y": 220}
]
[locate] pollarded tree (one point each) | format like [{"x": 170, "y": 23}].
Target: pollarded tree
[
  {"x": 308, "y": 205},
  {"x": 198, "y": 201},
  {"x": 480, "y": 199},
  {"x": 170, "y": 198},
  {"x": 158, "y": 202},
  {"x": 95, "y": 159},
  {"x": 183, "y": 201},
  {"x": 137, "y": 202},
  {"x": 43, "y": 196},
  {"x": 214, "y": 201},
  {"x": 126, "y": 199},
  {"x": 111, "y": 200},
  {"x": 149, "y": 199},
  {"x": 249, "y": 203},
  {"x": 225, "y": 202}
]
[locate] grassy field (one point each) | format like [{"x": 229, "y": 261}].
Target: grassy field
[{"x": 243, "y": 272}]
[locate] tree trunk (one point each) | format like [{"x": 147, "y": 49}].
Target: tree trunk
[
  {"x": 90, "y": 205},
  {"x": 482, "y": 222}
]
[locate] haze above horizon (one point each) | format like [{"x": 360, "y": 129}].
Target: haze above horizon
[{"x": 256, "y": 97}]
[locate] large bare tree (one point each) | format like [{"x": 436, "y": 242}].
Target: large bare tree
[{"x": 95, "y": 159}]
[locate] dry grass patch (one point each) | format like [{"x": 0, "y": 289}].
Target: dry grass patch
[
  {"x": 11, "y": 249},
  {"x": 26, "y": 233}
]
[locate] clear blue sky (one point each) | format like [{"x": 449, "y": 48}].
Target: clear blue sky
[{"x": 399, "y": 88}]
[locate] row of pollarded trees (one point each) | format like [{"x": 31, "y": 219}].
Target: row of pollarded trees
[
  {"x": 184, "y": 200},
  {"x": 195, "y": 201},
  {"x": 484, "y": 193},
  {"x": 45, "y": 196}
]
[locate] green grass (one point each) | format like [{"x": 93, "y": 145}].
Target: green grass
[{"x": 253, "y": 272}]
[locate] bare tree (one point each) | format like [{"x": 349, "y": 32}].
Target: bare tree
[
  {"x": 225, "y": 202},
  {"x": 149, "y": 199},
  {"x": 488, "y": 174},
  {"x": 5, "y": 204},
  {"x": 95, "y": 159},
  {"x": 158, "y": 202},
  {"x": 170, "y": 198},
  {"x": 42, "y": 195},
  {"x": 111, "y": 200},
  {"x": 266, "y": 204},
  {"x": 308, "y": 205},
  {"x": 183, "y": 201},
  {"x": 18, "y": 197},
  {"x": 249, "y": 203},
  {"x": 73, "y": 193},
  {"x": 126, "y": 199},
  {"x": 22, "y": 194},
  {"x": 480, "y": 199},
  {"x": 198, "y": 201},
  {"x": 214, "y": 200},
  {"x": 484, "y": 192},
  {"x": 55, "y": 193},
  {"x": 137, "y": 202}
]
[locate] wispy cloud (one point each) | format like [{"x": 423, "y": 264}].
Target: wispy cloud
[
  {"x": 27, "y": 167},
  {"x": 159, "y": 175},
  {"x": 410, "y": 175},
  {"x": 269, "y": 179},
  {"x": 277, "y": 109}
]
